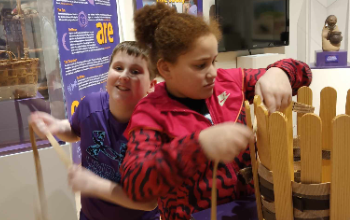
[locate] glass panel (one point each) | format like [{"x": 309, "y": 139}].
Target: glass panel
[{"x": 29, "y": 70}]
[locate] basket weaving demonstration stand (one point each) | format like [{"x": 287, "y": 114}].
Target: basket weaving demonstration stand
[{"x": 293, "y": 176}]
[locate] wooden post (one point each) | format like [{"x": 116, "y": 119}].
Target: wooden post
[
  {"x": 327, "y": 114},
  {"x": 288, "y": 112},
  {"x": 280, "y": 158},
  {"x": 340, "y": 190},
  {"x": 347, "y": 108},
  {"x": 311, "y": 149},
  {"x": 257, "y": 102},
  {"x": 262, "y": 117},
  {"x": 254, "y": 164},
  {"x": 305, "y": 97}
]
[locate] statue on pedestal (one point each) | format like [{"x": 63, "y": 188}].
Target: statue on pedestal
[{"x": 331, "y": 36}]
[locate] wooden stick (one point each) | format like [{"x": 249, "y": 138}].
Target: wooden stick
[
  {"x": 302, "y": 108},
  {"x": 305, "y": 97},
  {"x": 213, "y": 192},
  {"x": 254, "y": 162},
  {"x": 280, "y": 158},
  {"x": 311, "y": 149},
  {"x": 347, "y": 108},
  {"x": 39, "y": 177},
  {"x": 61, "y": 154},
  {"x": 340, "y": 190},
  {"x": 327, "y": 114}
]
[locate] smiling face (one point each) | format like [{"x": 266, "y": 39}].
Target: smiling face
[
  {"x": 128, "y": 79},
  {"x": 193, "y": 74}
]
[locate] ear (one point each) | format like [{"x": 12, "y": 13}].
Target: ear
[
  {"x": 151, "y": 86},
  {"x": 164, "y": 69}
]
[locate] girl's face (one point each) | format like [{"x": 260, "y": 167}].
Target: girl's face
[
  {"x": 128, "y": 79},
  {"x": 193, "y": 75}
]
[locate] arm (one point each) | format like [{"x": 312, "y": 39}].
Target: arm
[
  {"x": 152, "y": 166},
  {"x": 86, "y": 182},
  {"x": 299, "y": 75},
  {"x": 66, "y": 133},
  {"x": 43, "y": 122}
]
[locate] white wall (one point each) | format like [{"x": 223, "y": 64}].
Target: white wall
[
  {"x": 225, "y": 60},
  {"x": 326, "y": 78},
  {"x": 125, "y": 20},
  {"x": 19, "y": 192},
  {"x": 319, "y": 11},
  {"x": 298, "y": 30},
  {"x": 306, "y": 21}
]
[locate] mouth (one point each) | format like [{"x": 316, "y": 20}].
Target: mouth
[
  {"x": 210, "y": 85},
  {"x": 122, "y": 88}
]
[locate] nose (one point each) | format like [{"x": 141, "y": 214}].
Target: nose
[
  {"x": 124, "y": 76},
  {"x": 212, "y": 73}
]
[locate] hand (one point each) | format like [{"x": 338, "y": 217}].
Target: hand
[
  {"x": 43, "y": 122},
  {"x": 224, "y": 142},
  {"x": 82, "y": 180},
  {"x": 274, "y": 89}
]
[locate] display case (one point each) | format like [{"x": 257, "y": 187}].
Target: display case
[
  {"x": 53, "y": 53},
  {"x": 30, "y": 78}
]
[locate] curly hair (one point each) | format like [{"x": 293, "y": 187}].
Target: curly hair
[{"x": 168, "y": 34}]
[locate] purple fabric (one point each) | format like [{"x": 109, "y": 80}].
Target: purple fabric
[
  {"x": 103, "y": 147},
  {"x": 313, "y": 66},
  {"x": 82, "y": 216},
  {"x": 237, "y": 210}
]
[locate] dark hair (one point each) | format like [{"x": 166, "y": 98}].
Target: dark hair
[
  {"x": 132, "y": 49},
  {"x": 168, "y": 34}
]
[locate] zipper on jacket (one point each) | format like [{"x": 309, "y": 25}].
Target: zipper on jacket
[
  {"x": 210, "y": 112},
  {"x": 228, "y": 165},
  {"x": 193, "y": 112}
]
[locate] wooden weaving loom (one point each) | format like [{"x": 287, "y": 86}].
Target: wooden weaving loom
[{"x": 292, "y": 175}]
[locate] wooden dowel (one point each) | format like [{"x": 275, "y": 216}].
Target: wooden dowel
[
  {"x": 61, "y": 154},
  {"x": 39, "y": 177},
  {"x": 254, "y": 163},
  {"x": 214, "y": 193}
]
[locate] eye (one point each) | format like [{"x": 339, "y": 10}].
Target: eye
[
  {"x": 201, "y": 66},
  {"x": 214, "y": 61},
  {"x": 118, "y": 68},
  {"x": 135, "y": 72}
]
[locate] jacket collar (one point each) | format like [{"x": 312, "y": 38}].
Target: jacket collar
[{"x": 165, "y": 103}]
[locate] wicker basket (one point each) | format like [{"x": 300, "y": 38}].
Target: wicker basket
[{"x": 18, "y": 77}]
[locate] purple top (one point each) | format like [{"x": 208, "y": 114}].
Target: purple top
[{"x": 103, "y": 147}]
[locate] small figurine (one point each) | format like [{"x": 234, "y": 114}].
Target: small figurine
[{"x": 331, "y": 36}]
